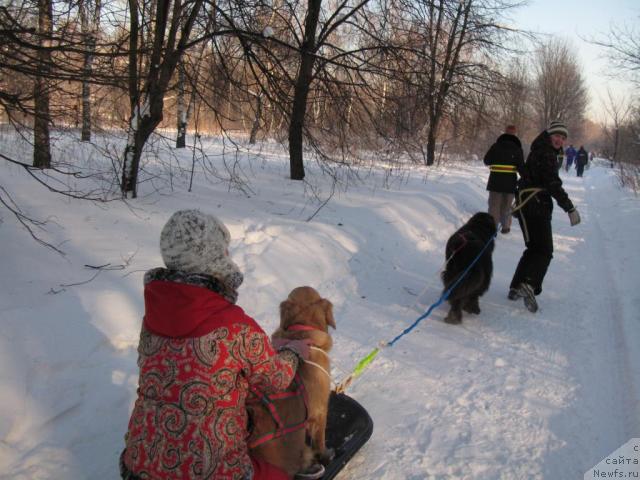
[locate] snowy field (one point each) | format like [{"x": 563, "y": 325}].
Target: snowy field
[{"x": 506, "y": 395}]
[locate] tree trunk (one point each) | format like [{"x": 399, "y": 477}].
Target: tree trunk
[
  {"x": 41, "y": 136},
  {"x": 301, "y": 92},
  {"x": 431, "y": 144},
  {"x": 181, "y": 107},
  {"x": 256, "y": 120},
  {"x": 90, "y": 32},
  {"x": 142, "y": 124}
]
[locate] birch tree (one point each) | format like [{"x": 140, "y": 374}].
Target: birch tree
[
  {"x": 90, "y": 24},
  {"x": 172, "y": 25},
  {"x": 42, "y": 117}
]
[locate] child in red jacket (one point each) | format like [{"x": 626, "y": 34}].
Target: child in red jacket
[{"x": 199, "y": 354}]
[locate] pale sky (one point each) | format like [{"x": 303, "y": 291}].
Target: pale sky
[{"x": 577, "y": 19}]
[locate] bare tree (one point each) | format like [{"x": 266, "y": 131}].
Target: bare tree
[
  {"x": 623, "y": 49},
  {"x": 618, "y": 111},
  {"x": 451, "y": 48},
  {"x": 515, "y": 97},
  {"x": 559, "y": 87},
  {"x": 172, "y": 25},
  {"x": 308, "y": 48},
  {"x": 304, "y": 64}
]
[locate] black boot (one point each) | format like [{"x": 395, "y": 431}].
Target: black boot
[{"x": 526, "y": 292}]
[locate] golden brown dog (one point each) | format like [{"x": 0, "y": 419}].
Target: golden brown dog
[
  {"x": 306, "y": 315},
  {"x": 303, "y": 315}
]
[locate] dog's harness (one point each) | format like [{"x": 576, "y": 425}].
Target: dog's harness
[
  {"x": 299, "y": 327},
  {"x": 460, "y": 247},
  {"x": 267, "y": 401}
]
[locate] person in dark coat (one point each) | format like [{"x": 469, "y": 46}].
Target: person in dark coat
[
  {"x": 570, "y": 154},
  {"x": 505, "y": 158},
  {"x": 538, "y": 185},
  {"x": 581, "y": 160}
]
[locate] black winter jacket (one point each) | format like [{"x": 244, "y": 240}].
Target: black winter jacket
[
  {"x": 582, "y": 158},
  {"x": 505, "y": 158},
  {"x": 541, "y": 171}
]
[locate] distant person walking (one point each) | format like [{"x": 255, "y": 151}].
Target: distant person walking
[
  {"x": 538, "y": 185},
  {"x": 505, "y": 158},
  {"x": 570, "y": 154},
  {"x": 582, "y": 158}
]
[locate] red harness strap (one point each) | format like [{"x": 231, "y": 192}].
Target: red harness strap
[
  {"x": 281, "y": 429},
  {"x": 464, "y": 244},
  {"x": 460, "y": 247}
]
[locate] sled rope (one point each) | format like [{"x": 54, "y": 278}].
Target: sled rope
[
  {"x": 366, "y": 361},
  {"x": 309, "y": 362},
  {"x": 533, "y": 191}
]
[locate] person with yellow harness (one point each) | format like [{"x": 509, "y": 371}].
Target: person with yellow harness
[
  {"x": 505, "y": 158},
  {"x": 538, "y": 185}
]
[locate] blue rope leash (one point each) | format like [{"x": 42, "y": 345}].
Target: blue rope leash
[
  {"x": 446, "y": 293},
  {"x": 366, "y": 361}
]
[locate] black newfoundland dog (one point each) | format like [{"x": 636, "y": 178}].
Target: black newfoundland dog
[{"x": 462, "y": 248}]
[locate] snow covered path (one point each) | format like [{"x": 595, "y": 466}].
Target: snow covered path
[
  {"x": 511, "y": 394},
  {"x": 506, "y": 395}
]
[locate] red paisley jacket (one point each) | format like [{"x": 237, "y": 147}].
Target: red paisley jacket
[{"x": 198, "y": 355}]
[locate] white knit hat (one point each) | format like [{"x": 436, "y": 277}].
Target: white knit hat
[
  {"x": 196, "y": 242},
  {"x": 558, "y": 127}
]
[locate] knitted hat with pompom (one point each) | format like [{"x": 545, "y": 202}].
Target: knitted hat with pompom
[{"x": 196, "y": 242}]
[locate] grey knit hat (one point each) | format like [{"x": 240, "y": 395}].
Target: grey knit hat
[
  {"x": 196, "y": 242},
  {"x": 558, "y": 127}
]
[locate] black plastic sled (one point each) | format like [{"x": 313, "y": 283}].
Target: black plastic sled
[{"x": 349, "y": 426}]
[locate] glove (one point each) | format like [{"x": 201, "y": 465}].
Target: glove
[
  {"x": 299, "y": 347},
  {"x": 574, "y": 217}
]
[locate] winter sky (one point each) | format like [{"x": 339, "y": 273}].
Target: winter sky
[{"x": 578, "y": 21}]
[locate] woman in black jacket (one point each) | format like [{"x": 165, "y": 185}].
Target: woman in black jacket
[
  {"x": 505, "y": 159},
  {"x": 539, "y": 183}
]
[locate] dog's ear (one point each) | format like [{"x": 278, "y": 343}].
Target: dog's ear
[
  {"x": 286, "y": 309},
  {"x": 328, "y": 311}
]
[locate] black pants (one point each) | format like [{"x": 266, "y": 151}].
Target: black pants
[
  {"x": 537, "y": 256},
  {"x": 580, "y": 169}
]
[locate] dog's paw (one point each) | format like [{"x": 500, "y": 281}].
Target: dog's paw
[
  {"x": 326, "y": 456},
  {"x": 453, "y": 318},
  {"x": 472, "y": 309}
]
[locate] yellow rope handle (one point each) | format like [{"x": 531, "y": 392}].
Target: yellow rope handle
[
  {"x": 533, "y": 190},
  {"x": 357, "y": 371}
]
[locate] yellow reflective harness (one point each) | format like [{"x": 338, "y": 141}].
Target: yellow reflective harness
[{"x": 502, "y": 169}]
